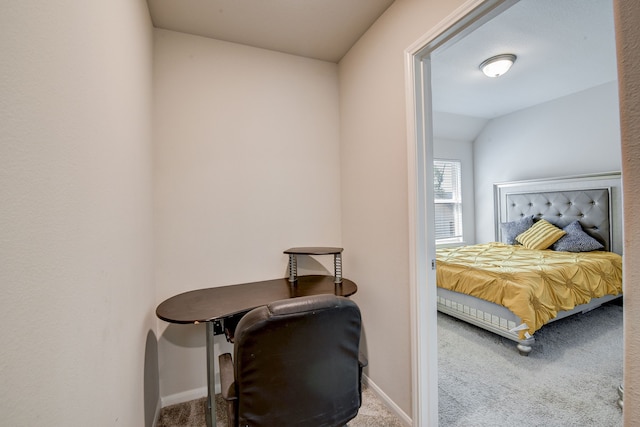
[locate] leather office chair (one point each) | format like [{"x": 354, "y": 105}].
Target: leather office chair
[{"x": 296, "y": 364}]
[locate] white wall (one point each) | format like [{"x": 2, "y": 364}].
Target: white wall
[
  {"x": 246, "y": 166},
  {"x": 574, "y": 135},
  {"x": 375, "y": 186},
  {"x": 77, "y": 344},
  {"x": 450, "y": 149}
]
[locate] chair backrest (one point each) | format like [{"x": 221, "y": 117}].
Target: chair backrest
[{"x": 296, "y": 363}]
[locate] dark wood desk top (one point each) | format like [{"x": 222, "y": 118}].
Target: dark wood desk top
[
  {"x": 313, "y": 250},
  {"x": 206, "y": 305}
]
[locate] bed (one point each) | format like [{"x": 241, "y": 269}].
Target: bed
[{"x": 514, "y": 289}]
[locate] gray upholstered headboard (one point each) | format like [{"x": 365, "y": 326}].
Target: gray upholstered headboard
[
  {"x": 589, "y": 207},
  {"x": 593, "y": 200}
]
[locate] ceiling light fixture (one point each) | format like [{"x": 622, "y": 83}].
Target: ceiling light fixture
[{"x": 497, "y": 65}]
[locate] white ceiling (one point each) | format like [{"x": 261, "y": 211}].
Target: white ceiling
[
  {"x": 563, "y": 46},
  {"x": 319, "y": 29}
]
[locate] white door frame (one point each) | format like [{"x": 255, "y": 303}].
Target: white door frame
[{"x": 424, "y": 361}]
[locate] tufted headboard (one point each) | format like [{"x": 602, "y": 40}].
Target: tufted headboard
[
  {"x": 589, "y": 207},
  {"x": 593, "y": 200}
]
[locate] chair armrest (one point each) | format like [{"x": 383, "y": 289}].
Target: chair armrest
[
  {"x": 227, "y": 380},
  {"x": 362, "y": 360}
]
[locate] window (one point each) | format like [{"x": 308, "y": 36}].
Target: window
[{"x": 448, "y": 201}]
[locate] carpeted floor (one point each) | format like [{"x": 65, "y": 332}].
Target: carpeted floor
[
  {"x": 372, "y": 413},
  {"x": 569, "y": 379}
]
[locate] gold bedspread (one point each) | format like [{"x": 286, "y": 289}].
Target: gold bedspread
[{"x": 533, "y": 284}]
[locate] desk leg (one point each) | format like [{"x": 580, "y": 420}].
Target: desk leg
[{"x": 211, "y": 378}]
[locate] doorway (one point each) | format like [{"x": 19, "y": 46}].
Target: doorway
[{"x": 420, "y": 59}]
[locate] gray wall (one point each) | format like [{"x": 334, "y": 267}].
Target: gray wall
[
  {"x": 449, "y": 149},
  {"x": 574, "y": 135}
]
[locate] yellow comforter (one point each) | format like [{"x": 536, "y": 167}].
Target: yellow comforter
[{"x": 533, "y": 284}]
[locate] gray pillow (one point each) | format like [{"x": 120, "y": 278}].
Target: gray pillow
[
  {"x": 512, "y": 229},
  {"x": 576, "y": 240}
]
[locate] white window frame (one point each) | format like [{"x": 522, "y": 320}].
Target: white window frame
[{"x": 455, "y": 185}]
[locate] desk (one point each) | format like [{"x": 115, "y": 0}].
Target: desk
[{"x": 215, "y": 305}]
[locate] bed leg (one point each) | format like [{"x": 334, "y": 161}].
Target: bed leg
[
  {"x": 524, "y": 350},
  {"x": 621, "y": 394}
]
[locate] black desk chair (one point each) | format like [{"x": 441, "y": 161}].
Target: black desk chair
[{"x": 296, "y": 364}]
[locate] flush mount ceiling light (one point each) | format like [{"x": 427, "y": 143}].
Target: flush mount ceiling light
[{"x": 497, "y": 65}]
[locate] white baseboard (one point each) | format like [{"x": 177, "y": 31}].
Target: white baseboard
[
  {"x": 185, "y": 396},
  {"x": 156, "y": 415},
  {"x": 406, "y": 419},
  {"x": 197, "y": 393},
  {"x": 174, "y": 399}
]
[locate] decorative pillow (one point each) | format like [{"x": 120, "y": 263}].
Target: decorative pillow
[
  {"x": 510, "y": 230},
  {"x": 541, "y": 235},
  {"x": 576, "y": 240}
]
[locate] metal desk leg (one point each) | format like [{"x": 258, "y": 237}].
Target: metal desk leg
[
  {"x": 211, "y": 379},
  {"x": 337, "y": 268},
  {"x": 293, "y": 268}
]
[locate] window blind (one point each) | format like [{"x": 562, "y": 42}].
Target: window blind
[{"x": 448, "y": 200}]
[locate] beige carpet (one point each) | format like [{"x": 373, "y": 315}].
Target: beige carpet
[{"x": 372, "y": 413}]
